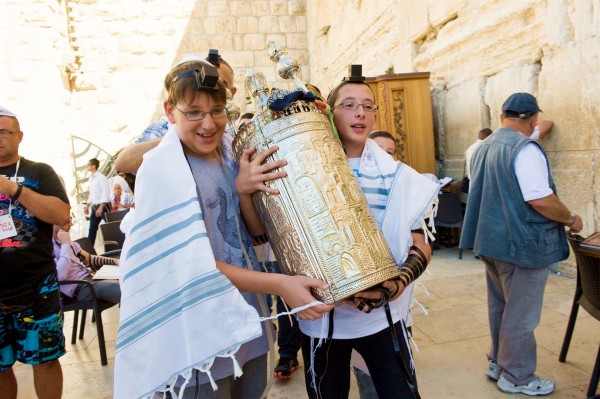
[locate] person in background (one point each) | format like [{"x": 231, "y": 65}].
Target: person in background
[
  {"x": 73, "y": 263},
  {"x": 482, "y": 135},
  {"x": 122, "y": 180},
  {"x": 119, "y": 200},
  {"x": 385, "y": 140},
  {"x": 515, "y": 222},
  {"x": 541, "y": 130},
  {"x": 32, "y": 199},
  {"x": 99, "y": 199}
]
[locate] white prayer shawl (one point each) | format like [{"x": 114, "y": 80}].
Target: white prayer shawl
[
  {"x": 412, "y": 199},
  {"x": 178, "y": 311}
]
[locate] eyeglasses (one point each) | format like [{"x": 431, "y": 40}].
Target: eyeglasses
[
  {"x": 6, "y": 133},
  {"x": 200, "y": 115},
  {"x": 354, "y": 107}
]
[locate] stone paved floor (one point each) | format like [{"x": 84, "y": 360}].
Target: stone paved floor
[{"x": 452, "y": 341}]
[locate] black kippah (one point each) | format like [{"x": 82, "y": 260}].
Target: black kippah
[
  {"x": 206, "y": 77},
  {"x": 214, "y": 57},
  {"x": 354, "y": 74}
]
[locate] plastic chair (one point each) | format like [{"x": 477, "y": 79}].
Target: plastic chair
[
  {"x": 112, "y": 235},
  {"x": 587, "y": 294},
  {"x": 87, "y": 246},
  {"x": 96, "y": 305},
  {"x": 450, "y": 215},
  {"x": 116, "y": 216}
]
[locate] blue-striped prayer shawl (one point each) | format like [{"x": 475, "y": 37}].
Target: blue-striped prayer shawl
[
  {"x": 178, "y": 311},
  {"x": 405, "y": 197}
]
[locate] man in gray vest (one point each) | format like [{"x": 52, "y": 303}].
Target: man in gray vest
[{"x": 515, "y": 221}]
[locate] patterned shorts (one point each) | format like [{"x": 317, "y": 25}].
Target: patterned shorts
[{"x": 34, "y": 335}]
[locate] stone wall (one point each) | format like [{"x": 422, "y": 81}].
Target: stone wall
[
  {"x": 95, "y": 68},
  {"x": 479, "y": 52}
]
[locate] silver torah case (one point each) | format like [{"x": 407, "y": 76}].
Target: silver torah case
[{"x": 319, "y": 225}]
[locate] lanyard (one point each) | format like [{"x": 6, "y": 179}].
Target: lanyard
[{"x": 15, "y": 178}]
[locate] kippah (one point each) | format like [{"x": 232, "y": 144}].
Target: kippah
[
  {"x": 206, "y": 78},
  {"x": 354, "y": 74},
  {"x": 214, "y": 57}
]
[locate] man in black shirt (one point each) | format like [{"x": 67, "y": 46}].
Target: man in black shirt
[{"x": 32, "y": 199}]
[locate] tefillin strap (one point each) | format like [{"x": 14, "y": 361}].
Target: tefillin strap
[
  {"x": 206, "y": 78},
  {"x": 214, "y": 57},
  {"x": 354, "y": 74}
]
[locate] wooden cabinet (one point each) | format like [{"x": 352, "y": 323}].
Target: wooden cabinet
[{"x": 405, "y": 111}]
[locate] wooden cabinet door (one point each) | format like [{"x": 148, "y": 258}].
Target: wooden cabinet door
[{"x": 405, "y": 111}]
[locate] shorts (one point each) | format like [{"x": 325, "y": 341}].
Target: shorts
[{"x": 34, "y": 335}]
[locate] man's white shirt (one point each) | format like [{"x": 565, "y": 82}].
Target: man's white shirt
[{"x": 99, "y": 191}]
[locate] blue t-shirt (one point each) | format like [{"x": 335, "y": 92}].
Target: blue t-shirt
[{"x": 221, "y": 209}]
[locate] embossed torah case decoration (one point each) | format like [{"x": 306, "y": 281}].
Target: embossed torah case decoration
[{"x": 319, "y": 225}]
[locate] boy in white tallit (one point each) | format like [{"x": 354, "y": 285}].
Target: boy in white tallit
[
  {"x": 373, "y": 322},
  {"x": 182, "y": 323}
]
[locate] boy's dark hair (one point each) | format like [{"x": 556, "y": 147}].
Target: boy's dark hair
[
  {"x": 484, "y": 133},
  {"x": 184, "y": 89},
  {"x": 333, "y": 94},
  {"x": 381, "y": 133},
  {"x": 94, "y": 162}
]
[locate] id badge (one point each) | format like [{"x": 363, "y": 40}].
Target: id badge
[{"x": 7, "y": 227}]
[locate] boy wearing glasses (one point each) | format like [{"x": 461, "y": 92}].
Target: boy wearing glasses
[
  {"x": 188, "y": 220},
  {"x": 371, "y": 323},
  {"x": 400, "y": 200}
]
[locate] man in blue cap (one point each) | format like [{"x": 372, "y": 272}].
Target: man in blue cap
[{"x": 515, "y": 221}]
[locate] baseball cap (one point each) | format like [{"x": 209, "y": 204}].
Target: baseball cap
[
  {"x": 6, "y": 112},
  {"x": 520, "y": 105}
]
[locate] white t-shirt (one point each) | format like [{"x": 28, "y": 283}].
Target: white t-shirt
[
  {"x": 99, "y": 191},
  {"x": 532, "y": 172},
  {"x": 469, "y": 154}
]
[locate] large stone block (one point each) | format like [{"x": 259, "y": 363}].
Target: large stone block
[
  {"x": 260, "y": 7},
  {"x": 268, "y": 24},
  {"x": 254, "y": 41},
  {"x": 226, "y": 25},
  {"x": 295, "y": 41},
  {"x": 247, "y": 25},
  {"x": 508, "y": 34},
  {"x": 217, "y": 8},
  {"x": 522, "y": 78},
  {"x": 296, "y": 7},
  {"x": 278, "y": 7},
  {"x": 569, "y": 95},
  {"x": 287, "y": 24},
  {"x": 464, "y": 115},
  {"x": 240, "y": 8}
]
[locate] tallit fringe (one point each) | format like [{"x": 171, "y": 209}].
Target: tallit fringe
[
  {"x": 429, "y": 229},
  {"x": 313, "y": 349},
  {"x": 205, "y": 368},
  {"x": 187, "y": 375},
  {"x": 412, "y": 360},
  {"x": 291, "y": 312}
]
